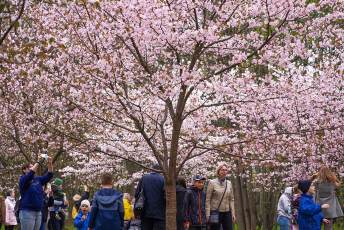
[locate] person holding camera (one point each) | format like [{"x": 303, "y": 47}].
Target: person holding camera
[{"x": 31, "y": 192}]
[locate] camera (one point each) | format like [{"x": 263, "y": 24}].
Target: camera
[{"x": 45, "y": 155}]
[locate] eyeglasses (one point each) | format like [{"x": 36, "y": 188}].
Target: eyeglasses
[{"x": 84, "y": 205}]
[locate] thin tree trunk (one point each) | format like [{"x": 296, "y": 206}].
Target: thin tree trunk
[
  {"x": 247, "y": 211},
  {"x": 239, "y": 203},
  {"x": 171, "y": 207},
  {"x": 253, "y": 209}
]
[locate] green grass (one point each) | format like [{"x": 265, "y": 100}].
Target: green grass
[{"x": 339, "y": 226}]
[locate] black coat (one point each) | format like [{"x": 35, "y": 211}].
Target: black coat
[
  {"x": 180, "y": 193},
  {"x": 154, "y": 192}
]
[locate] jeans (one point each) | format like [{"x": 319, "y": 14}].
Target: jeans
[
  {"x": 43, "y": 226},
  {"x": 225, "y": 222},
  {"x": 30, "y": 220},
  {"x": 152, "y": 224},
  {"x": 283, "y": 222},
  {"x": 9, "y": 227}
]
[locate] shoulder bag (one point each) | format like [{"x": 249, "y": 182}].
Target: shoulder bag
[{"x": 215, "y": 214}]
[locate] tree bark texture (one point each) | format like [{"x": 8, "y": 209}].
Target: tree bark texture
[{"x": 171, "y": 206}]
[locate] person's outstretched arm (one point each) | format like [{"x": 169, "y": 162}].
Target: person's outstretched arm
[
  {"x": 307, "y": 207},
  {"x": 48, "y": 175}
]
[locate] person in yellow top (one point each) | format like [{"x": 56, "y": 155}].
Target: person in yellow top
[{"x": 128, "y": 210}]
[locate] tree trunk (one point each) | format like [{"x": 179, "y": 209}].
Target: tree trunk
[
  {"x": 171, "y": 207},
  {"x": 253, "y": 209},
  {"x": 246, "y": 207},
  {"x": 239, "y": 203}
]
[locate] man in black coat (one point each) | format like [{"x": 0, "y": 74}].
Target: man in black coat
[{"x": 153, "y": 215}]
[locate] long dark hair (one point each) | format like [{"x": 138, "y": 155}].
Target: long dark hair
[{"x": 181, "y": 181}]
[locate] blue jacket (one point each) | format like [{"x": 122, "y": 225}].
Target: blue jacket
[
  {"x": 31, "y": 190},
  {"x": 309, "y": 214},
  {"x": 194, "y": 207},
  {"x": 81, "y": 224},
  {"x": 154, "y": 193},
  {"x": 107, "y": 210}
]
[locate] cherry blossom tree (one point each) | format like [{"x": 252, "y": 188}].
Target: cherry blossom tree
[
  {"x": 10, "y": 14},
  {"x": 179, "y": 82}
]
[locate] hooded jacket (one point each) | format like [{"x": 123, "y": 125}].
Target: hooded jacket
[
  {"x": 310, "y": 215},
  {"x": 284, "y": 203},
  {"x": 194, "y": 206},
  {"x": 10, "y": 216},
  {"x": 107, "y": 210},
  {"x": 81, "y": 224}
]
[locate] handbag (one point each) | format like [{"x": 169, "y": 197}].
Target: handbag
[
  {"x": 214, "y": 217},
  {"x": 139, "y": 203}
]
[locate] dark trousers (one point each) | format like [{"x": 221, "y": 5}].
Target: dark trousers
[
  {"x": 9, "y": 227},
  {"x": 54, "y": 223},
  {"x": 199, "y": 227},
  {"x": 225, "y": 222},
  {"x": 152, "y": 224}
]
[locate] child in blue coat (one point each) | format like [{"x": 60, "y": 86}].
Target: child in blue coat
[
  {"x": 82, "y": 220},
  {"x": 310, "y": 216}
]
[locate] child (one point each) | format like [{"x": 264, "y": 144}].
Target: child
[
  {"x": 107, "y": 207},
  {"x": 194, "y": 205},
  {"x": 284, "y": 209},
  {"x": 128, "y": 210},
  {"x": 58, "y": 197},
  {"x": 83, "y": 218},
  {"x": 295, "y": 207},
  {"x": 310, "y": 216}
]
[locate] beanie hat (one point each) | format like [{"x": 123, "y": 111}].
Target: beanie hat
[
  {"x": 85, "y": 202},
  {"x": 304, "y": 185},
  {"x": 58, "y": 181}
]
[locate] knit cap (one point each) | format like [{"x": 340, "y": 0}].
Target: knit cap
[
  {"x": 58, "y": 182},
  {"x": 85, "y": 202}
]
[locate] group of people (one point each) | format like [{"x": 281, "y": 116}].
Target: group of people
[
  {"x": 206, "y": 204},
  {"x": 311, "y": 203},
  {"x": 196, "y": 206}
]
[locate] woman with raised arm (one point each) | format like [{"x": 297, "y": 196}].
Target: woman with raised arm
[{"x": 326, "y": 184}]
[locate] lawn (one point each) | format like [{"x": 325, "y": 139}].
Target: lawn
[{"x": 339, "y": 226}]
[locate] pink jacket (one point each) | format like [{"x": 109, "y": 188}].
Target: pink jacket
[{"x": 10, "y": 216}]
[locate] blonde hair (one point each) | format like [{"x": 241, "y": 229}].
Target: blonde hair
[
  {"x": 220, "y": 167},
  {"x": 326, "y": 175},
  {"x": 126, "y": 196}
]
